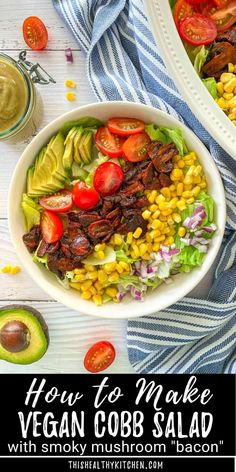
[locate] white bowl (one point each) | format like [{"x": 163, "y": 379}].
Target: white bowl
[
  {"x": 185, "y": 77},
  {"x": 165, "y": 295}
]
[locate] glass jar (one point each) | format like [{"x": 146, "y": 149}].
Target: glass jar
[{"x": 17, "y": 97}]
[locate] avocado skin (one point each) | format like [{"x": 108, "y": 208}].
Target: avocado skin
[{"x": 43, "y": 325}]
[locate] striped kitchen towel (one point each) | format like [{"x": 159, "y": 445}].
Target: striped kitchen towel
[{"x": 124, "y": 63}]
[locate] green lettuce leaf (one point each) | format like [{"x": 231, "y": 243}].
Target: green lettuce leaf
[
  {"x": 210, "y": 84},
  {"x": 121, "y": 256},
  {"x": 126, "y": 280},
  {"x": 85, "y": 122},
  {"x": 42, "y": 260},
  {"x": 190, "y": 257},
  {"x": 208, "y": 203},
  {"x": 166, "y": 136},
  {"x": 197, "y": 55}
]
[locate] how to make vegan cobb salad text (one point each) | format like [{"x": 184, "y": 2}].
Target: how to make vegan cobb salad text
[{"x": 115, "y": 209}]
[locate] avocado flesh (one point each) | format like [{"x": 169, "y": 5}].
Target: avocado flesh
[
  {"x": 39, "y": 338},
  {"x": 68, "y": 155},
  {"x": 57, "y": 148},
  {"x": 77, "y": 139},
  {"x": 32, "y": 215},
  {"x": 85, "y": 146}
]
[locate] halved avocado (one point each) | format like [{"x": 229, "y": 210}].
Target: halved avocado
[{"x": 24, "y": 336}]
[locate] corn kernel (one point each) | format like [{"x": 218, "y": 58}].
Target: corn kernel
[
  {"x": 180, "y": 188},
  {"x": 155, "y": 233},
  {"x": 160, "y": 199},
  {"x": 93, "y": 290},
  {"x": 89, "y": 268},
  {"x": 170, "y": 220},
  {"x": 170, "y": 240},
  {"x": 111, "y": 292},
  {"x": 226, "y": 77},
  {"x": 86, "y": 295},
  {"x": 230, "y": 67},
  {"x": 137, "y": 232},
  {"x": 203, "y": 185},
  {"x": 148, "y": 237},
  {"x": 114, "y": 277},
  {"x": 188, "y": 179},
  {"x": 70, "y": 96},
  {"x": 176, "y": 174},
  {"x": 173, "y": 202},
  {"x": 98, "y": 285},
  {"x": 156, "y": 224},
  {"x": 70, "y": 83},
  {"x": 197, "y": 179},
  {"x": 152, "y": 196},
  {"x": 160, "y": 238},
  {"x": 118, "y": 240},
  {"x": 187, "y": 194},
  {"x": 146, "y": 214},
  {"x": 125, "y": 265},
  {"x": 166, "y": 192},
  {"x": 172, "y": 188},
  {"x": 80, "y": 277},
  {"x": 153, "y": 207},
  {"x": 92, "y": 275},
  {"x": 86, "y": 285},
  {"x": 196, "y": 191},
  {"x": 109, "y": 267},
  {"x": 230, "y": 85},
  {"x": 119, "y": 268},
  {"x": 181, "y": 164},
  {"x": 97, "y": 299},
  {"x": 228, "y": 96},
  {"x": 167, "y": 212},
  {"x": 156, "y": 247},
  {"x": 102, "y": 276},
  {"x": 190, "y": 200},
  {"x": 162, "y": 218},
  {"x": 135, "y": 250},
  {"x": 156, "y": 214},
  {"x": 100, "y": 255},
  {"x": 181, "y": 205},
  {"x": 100, "y": 247},
  {"x": 75, "y": 285},
  {"x": 129, "y": 237},
  {"x": 220, "y": 88},
  {"x": 164, "y": 206},
  {"x": 142, "y": 249},
  {"x": 181, "y": 231},
  {"x": 176, "y": 217},
  {"x": 79, "y": 271}
]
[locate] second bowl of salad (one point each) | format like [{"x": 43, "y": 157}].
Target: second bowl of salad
[{"x": 116, "y": 209}]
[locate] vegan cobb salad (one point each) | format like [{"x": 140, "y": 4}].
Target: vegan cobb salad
[
  {"x": 208, "y": 31},
  {"x": 116, "y": 209}
]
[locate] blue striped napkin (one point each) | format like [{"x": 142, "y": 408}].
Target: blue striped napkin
[{"x": 123, "y": 63}]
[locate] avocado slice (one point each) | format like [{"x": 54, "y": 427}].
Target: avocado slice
[
  {"x": 24, "y": 336},
  {"x": 85, "y": 146},
  {"x": 68, "y": 155},
  {"x": 86, "y": 122},
  {"x": 78, "y": 172},
  {"x": 57, "y": 148},
  {"x": 31, "y": 211},
  {"x": 77, "y": 139}
]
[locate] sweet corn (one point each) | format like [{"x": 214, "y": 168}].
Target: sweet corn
[
  {"x": 100, "y": 255},
  {"x": 156, "y": 214},
  {"x": 111, "y": 292},
  {"x": 125, "y": 265},
  {"x": 118, "y": 240},
  {"x": 92, "y": 275},
  {"x": 8, "y": 269},
  {"x": 152, "y": 196},
  {"x": 100, "y": 247},
  {"x": 86, "y": 295},
  {"x": 86, "y": 285},
  {"x": 142, "y": 249},
  {"x": 146, "y": 214},
  {"x": 137, "y": 232},
  {"x": 176, "y": 217},
  {"x": 97, "y": 299},
  {"x": 180, "y": 188},
  {"x": 70, "y": 83},
  {"x": 129, "y": 238},
  {"x": 166, "y": 192},
  {"x": 70, "y": 96},
  {"x": 79, "y": 271},
  {"x": 176, "y": 174},
  {"x": 153, "y": 208},
  {"x": 80, "y": 277},
  {"x": 181, "y": 205},
  {"x": 226, "y": 88},
  {"x": 114, "y": 277},
  {"x": 181, "y": 231},
  {"x": 109, "y": 267},
  {"x": 102, "y": 276}
]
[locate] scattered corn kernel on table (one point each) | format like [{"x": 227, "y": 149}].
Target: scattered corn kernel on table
[{"x": 71, "y": 333}]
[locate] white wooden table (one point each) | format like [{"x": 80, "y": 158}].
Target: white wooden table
[{"x": 71, "y": 333}]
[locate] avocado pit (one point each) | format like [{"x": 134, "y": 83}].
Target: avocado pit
[{"x": 15, "y": 336}]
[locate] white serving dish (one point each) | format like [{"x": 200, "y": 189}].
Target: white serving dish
[
  {"x": 165, "y": 295},
  {"x": 185, "y": 77}
]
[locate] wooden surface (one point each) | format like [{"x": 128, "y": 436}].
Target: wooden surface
[{"x": 71, "y": 333}]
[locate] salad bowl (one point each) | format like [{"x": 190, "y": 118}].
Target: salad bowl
[
  {"x": 187, "y": 80},
  {"x": 155, "y": 300}
]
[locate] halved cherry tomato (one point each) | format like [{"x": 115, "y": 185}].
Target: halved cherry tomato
[
  {"x": 135, "y": 147},
  {"x": 35, "y": 33},
  {"x": 209, "y": 8},
  {"x": 85, "y": 197},
  {"x": 51, "y": 227},
  {"x": 198, "y": 29},
  {"x": 224, "y": 18},
  {"x": 59, "y": 202},
  {"x": 99, "y": 357},
  {"x": 125, "y": 126},
  {"x": 108, "y": 178},
  {"x": 221, "y": 3},
  {"x": 181, "y": 11},
  {"x": 195, "y": 2},
  {"x": 108, "y": 143}
]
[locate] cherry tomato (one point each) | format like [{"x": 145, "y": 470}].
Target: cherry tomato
[
  {"x": 35, "y": 33},
  {"x": 108, "y": 143},
  {"x": 209, "y": 8},
  {"x": 222, "y": 3},
  {"x": 195, "y": 2},
  {"x": 59, "y": 202},
  {"x": 85, "y": 197},
  {"x": 108, "y": 178},
  {"x": 198, "y": 29},
  {"x": 181, "y": 11},
  {"x": 125, "y": 126},
  {"x": 51, "y": 227},
  {"x": 99, "y": 357},
  {"x": 224, "y": 18},
  {"x": 135, "y": 147}
]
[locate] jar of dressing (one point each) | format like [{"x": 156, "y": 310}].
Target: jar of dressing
[{"x": 17, "y": 97}]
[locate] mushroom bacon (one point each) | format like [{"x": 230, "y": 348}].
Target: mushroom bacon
[{"x": 222, "y": 54}]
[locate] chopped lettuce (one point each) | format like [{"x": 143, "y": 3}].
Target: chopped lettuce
[
  {"x": 110, "y": 256},
  {"x": 127, "y": 280},
  {"x": 190, "y": 257},
  {"x": 166, "y": 136},
  {"x": 121, "y": 256},
  {"x": 211, "y": 85},
  {"x": 197, "y": 55},
  {"x": 208, "y": 203},
  {"x": 42, "y": 260}
]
